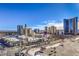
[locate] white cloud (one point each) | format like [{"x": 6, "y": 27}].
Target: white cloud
[
  {"x": 58, "y": 25},
  {"x": 39, "y": 27},
  {"x": 49, "y": 23}
]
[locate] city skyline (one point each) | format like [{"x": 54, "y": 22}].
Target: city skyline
[{"x": 36, "y": 15}]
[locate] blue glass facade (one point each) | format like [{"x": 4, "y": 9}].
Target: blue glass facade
[
  {"x": 66, "y": 25},
  {"x": 71, "y": 25}
]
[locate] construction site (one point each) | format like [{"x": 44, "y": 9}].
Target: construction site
[{"x": 55, "y": 46}]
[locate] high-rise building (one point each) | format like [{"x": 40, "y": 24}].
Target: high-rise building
[
  {"x": 20, "y": 29},
  {"x": 25, "y": 30},
  {"x": 37, "y": 31},
  {"x": 52, "y": 30},
  {"x": 71, "y": 25},
  {"x": 29, "y": 31},
  {"x": 47, "y": 29}
]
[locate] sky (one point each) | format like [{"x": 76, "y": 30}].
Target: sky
[{"x": 36, "y": 15}]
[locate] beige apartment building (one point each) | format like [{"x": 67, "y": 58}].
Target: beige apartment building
[{"x": 51, "y": 29}]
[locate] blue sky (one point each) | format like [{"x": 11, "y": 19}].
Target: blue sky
[{"x": 35, "y": 15}]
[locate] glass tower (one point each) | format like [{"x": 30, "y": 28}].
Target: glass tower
[
  {"x": 19, "y": 29},
  {"x": 71, "y": 25}
]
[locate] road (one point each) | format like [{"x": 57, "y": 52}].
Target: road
[{"x": 33, "y": 50}]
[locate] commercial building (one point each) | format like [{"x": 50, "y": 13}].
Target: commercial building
[
  {"x": 60, "y": 32},
  {"x": 25, "y": 30},
  {"x": 71, "y": 25},
  {"x": 50, "y": 30},
  {"x": 20, "y": 30},
  {"x": 47, "y": 29},
  {"x": 37, "y": 31},
  {"x": 30, "y": 32}
]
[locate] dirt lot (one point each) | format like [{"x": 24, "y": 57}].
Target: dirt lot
[{"x": 69, "y": 49}]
